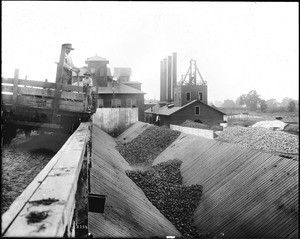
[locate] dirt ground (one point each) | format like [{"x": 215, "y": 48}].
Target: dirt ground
[{"x": 23, "y": 159}]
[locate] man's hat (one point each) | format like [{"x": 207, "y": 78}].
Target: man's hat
[
  {"x": 87, "y": 73},
  {"x": 68, "y": 45}
]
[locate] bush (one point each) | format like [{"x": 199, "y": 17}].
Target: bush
[{"x": 291, "y": 106}]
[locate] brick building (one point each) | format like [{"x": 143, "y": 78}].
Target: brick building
[
  {"x": 112, "y": 92},
  {"x": 181, "y": 101},
  {"x": 196, "y": 111}
]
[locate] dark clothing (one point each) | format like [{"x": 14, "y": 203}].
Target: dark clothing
[{"x": 66, "y": 76}]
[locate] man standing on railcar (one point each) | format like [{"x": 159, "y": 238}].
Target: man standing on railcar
[{"x": 68, "y": 66}]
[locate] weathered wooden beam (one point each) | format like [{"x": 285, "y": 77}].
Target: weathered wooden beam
[
  {"x": 72, "y": 88},
  {"x": 46, "y": 207},
  {"x": 32, "y": 101},
  {"x": 15, "y": 89},
  {"x": 71, "y": 106},
  {"x": 7, "y": 88},
  {"x": 29, "y": 83},
  {"x": 38, "y": 102},
  {"x": 6, "y": 99}
]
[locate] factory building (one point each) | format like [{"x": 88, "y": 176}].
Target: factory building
[
  {"x": 183, "y": 100},
  {"x": 113, "y": 91}
]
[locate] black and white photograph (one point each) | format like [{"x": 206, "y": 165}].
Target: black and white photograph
[{"x": 149, "y": 119}]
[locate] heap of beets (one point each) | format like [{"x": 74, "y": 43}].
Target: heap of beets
[
  {"x": 162, "y": 184},
  {"x": 142, "y": 150}
]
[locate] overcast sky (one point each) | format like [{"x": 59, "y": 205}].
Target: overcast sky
[{"x": 238, "y": 47}]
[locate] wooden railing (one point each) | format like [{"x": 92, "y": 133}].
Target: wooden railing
[
  {"x": 46, "y": 207},
  {"x": 38, "y": 94}
]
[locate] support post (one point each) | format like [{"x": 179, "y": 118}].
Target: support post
[
  {"x": 58, "y": 84},
  {"x": 15, "y": 90}
]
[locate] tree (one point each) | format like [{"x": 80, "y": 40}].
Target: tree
[
  {"x": 218, "y": 103},
  {"x": 228, "y": 104},
  {"x": 285, "y": 101},
  {"x": 272, "y": 103},
  {"x": 263, "y": 106},
  {"x": 251, "y": 100},
  {"x": 241, "y": 101},
  {"x": 292, "y": 106}
]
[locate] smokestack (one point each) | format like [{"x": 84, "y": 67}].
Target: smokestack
[
  {"x": 165, "y": 74},
  {"x": 169, "y": 81},
  {"x": 174, "y": 73},
  {"x": 161, "y": 80}
]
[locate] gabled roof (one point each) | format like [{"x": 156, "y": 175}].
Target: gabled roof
[
  {"x": 96, "y": 58},
  {"x": 169, "y": 111}
]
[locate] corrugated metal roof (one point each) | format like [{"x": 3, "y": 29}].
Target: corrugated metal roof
[
  {"x": 164, "y": 110},
  {"x": 132, "y": 132},
  {"x": 246, "y": 193},
  {"x": 127, "y": 213}
]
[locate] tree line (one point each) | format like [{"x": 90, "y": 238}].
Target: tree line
[{"x": 252, "y": 101}]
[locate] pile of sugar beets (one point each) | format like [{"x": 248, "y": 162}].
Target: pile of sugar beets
[{"x": 162, "y": 183}]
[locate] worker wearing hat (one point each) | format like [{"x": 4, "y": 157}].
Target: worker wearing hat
[
  {"x": 68, "y": 65},
  {"x": 87, "y": 87}
]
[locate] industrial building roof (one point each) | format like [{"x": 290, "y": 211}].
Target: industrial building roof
[
  {"x": 128, "y": 212},
  {"x": 119, "y": 88},
  {"x": 165, "y": 110},
  {"x": 96, "y": 58},
  {"x": 246, "y": 193}
]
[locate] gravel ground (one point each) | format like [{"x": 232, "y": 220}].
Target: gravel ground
[
  {"x": 162, "y": 184},
  {"x": 276, "y": 142},
  {"x": 142, "y": 150}
]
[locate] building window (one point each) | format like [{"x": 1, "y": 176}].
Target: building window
[
  {"x": 116, "y": 103},
  {"x": 197, "y": 110},
  {"x": 131, "y": 103},
  {"x": 200, "y": 95},
  {"x": 100, "y": 103},
  {"x": 188, "y": 96}
]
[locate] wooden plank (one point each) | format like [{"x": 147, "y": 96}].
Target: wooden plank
[
  {"x": 7, "y": 80},
  {"x": 71, "y": 106},
  {"x": 42, "y": 84},
  {"x": 29, "y": 83},
  {"x": 61, "y": 171},
  {"x": 6, "y": 99},
  {"x": 72, "y": 88},
  {"x": 7, "y": 88},
  {"x": 73, "y": 95},
  {"x": 44, "y": 92},
  {"x": 36, "y": 92},
  {"x": 32, "y": 101},
  {"x": 46, "y": 103},
  {"x": 9, "y": 216},
  {"x": 15, "y": 89}
]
